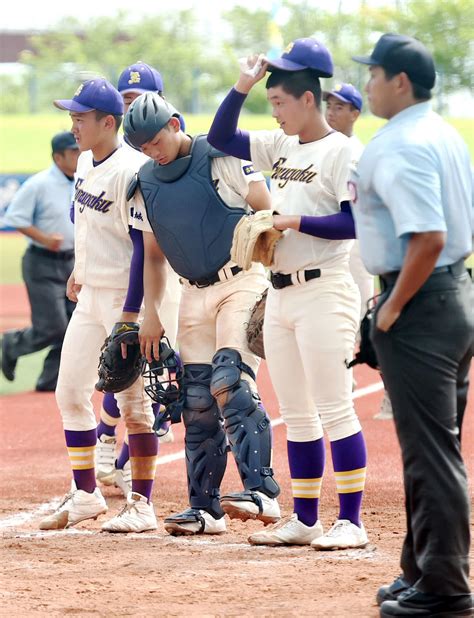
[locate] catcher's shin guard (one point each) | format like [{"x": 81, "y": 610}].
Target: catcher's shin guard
[
  {"x": 205, "y": 440},
  {"x": 246, "y": 422}
]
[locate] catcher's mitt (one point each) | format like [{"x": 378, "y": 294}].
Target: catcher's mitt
[
  {"x": 116, "y": 373},
  {"x": 254, "y": 240},
  {"x": 255, "y": 327},
  {"x": 366, "y": 353}
]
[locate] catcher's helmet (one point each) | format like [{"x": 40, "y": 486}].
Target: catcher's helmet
[
  {"x": 164, "y": 384},
  {"x": 147, "y": 115}
]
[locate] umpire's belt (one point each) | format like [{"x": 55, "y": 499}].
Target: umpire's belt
[
  {"x": 223, "y": 275},
  {"x": 456, "y": 269},
  {"x": 280, "y": 280},
  {"x": 54, "y": 255}
]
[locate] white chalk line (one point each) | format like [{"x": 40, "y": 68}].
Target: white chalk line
[{"x": 22, "y": 518}]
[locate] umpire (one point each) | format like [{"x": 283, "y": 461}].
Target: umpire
[
  {"x": 412, "y": 201},
  {"x": 40, "y": 211}
]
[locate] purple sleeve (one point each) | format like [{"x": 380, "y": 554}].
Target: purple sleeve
[
  {"x": 224, "y": 134},
  {"x": 333, "y": 227},
  {"x": 71, "y": 212},
  {"x": 135, "y": 283}
]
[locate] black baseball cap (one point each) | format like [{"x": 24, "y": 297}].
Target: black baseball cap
[
  {"x": 398, "y": 53},
  {"x": 64, "y": 141}
]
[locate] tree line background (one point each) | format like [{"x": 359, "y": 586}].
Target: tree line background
[{"x": 197, "y": 72}]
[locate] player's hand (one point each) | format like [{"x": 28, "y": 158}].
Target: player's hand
[
  {"x": 252, "y": 70},
  {"x": 53, "y": 242},
  {"x": 286, "y": 222},
  {"x": 387, "y": 315},
  {"x": 151, "y": 331},
  {"x": 127, "y": 316},
  {"x": 72, "y": 288}
]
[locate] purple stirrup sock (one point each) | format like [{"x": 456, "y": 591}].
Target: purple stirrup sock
[
  {"x": 81, "y": 451},
  {"x": 349, "y": 457},
  {"x": 306, "y": 461}
]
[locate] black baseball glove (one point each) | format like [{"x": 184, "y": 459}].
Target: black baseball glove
[
  {"x": 115, "y": 372},
  {"x": 366, "y": 353}
]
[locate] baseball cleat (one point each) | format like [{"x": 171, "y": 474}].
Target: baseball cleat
[
  {"x": 166, "y": 437},
  {"x": 136, "y": 516},
  {"x": 288, "y": 531},
  {"x": 76, "y": 506},
  {"x": 343, "y": 535},
  {"x": 251, "y": 505},
  {"x": 123, "y": 478},
  {"x": 194, "y": 521},
  {"x": 105, "y": 459}
]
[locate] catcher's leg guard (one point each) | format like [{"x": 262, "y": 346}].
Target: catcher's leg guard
[
  {"x": 246, "y": 422},
  {"x": 205, "y": 440}
]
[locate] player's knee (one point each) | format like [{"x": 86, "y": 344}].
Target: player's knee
[
  {"x": 227, "y": 368},
  {"x": 200, "y": 413}
]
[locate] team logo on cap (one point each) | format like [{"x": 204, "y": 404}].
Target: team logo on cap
[
  {"x": 289, "y": 47},
  {"x": 338, "y": 87},
  {"x": 79, "y": 90},
  {"x": 135, "y": 77}
]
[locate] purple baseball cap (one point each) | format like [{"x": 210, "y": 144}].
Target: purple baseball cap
[
  {"x": 302, "y": 54},
  {"x": 94, "y": 94},
  {"x": 347, "y": 93},
  {"x": 140, "y": 77}
]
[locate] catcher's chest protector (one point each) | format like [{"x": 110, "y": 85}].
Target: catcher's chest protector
[{"x": 191, "y": 222}]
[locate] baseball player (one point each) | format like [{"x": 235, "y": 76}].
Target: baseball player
[
  {"x": 343, "y": 107},
  {"x": 108, "y": 263},
  {"x": 111, "y": 470},
  {"x": 190, "y": 200},
  {"x": 313, "y": 304}
]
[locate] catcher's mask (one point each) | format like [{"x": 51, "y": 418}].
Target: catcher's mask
[{"x": 163, "y": 383}]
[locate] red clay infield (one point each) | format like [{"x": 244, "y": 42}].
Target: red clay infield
[{"x": 84, "y": 572}]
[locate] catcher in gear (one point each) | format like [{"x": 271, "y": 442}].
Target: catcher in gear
[{"x": 188, "y": 201}]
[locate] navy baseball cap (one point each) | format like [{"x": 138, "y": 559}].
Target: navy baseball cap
[
  {"x": 140, "y": 77},
  {"x": 303, "y": 54},
  {"x": 64, "y": 141},
  {"x": 347, "y": 93},
  {"x": 94, "y": 94},
  {"x": 398, "y": 53}
]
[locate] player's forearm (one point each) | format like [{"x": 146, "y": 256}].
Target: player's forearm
[
  {"x": 134, "y": 297},
  {"x": 422, "y": 253},
  {"x": 332, "y": 227},
  {"x": 155, "y": 277},
  {"x": 224, "y": 134}
]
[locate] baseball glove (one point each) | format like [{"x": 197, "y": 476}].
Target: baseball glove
[
  {"x": 254, "y": 240},
  {"x": 115, "y": 372},
  {"x": 254, "y": 330},
  {"x": 366, "y": 353}
]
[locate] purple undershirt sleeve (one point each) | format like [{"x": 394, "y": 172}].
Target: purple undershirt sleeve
[
  {"x": 224, "y": 134},
  {"x": 135, "y": 283},
  {"x": 71, "y": 212},
  {"x": 333, "y": 227}
]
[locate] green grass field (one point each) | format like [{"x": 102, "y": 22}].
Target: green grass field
[{"x": 25, "y": 139}]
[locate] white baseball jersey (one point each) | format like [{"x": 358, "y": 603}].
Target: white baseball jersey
[
  {"x": 103, "y": 247},
  {"x": 306, "y": 179},
  {"x": 230, "y": 176}
]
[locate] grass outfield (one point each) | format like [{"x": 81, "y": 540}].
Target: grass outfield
[{"x": 25, "y": 139}]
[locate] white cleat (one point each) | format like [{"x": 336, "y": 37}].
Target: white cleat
[
  {"x": 123, "y": 478},
  {"x": 136, "y": 516},
  {"x": 251, "y": 505},
  {"x": 288, "y": 531},
  {"x": 167, "y": 437},
  {"x": 194, "y": 521},
  {"x": 105, "y": 459},
  {"x": 385, "y": 413},
  {"x": 343, "y": 535},
  {"x": 76, "y": 506}
]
